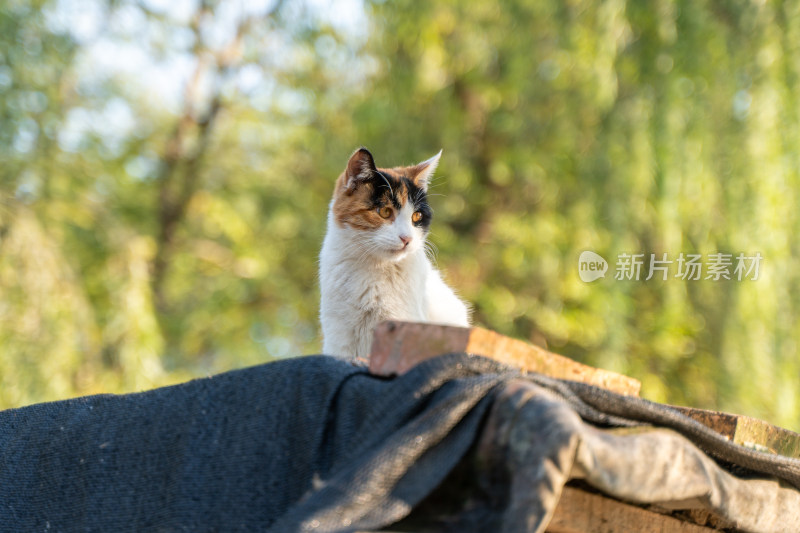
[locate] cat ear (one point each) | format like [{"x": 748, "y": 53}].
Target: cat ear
[
  {"x": 422, "y": 172},
  {"x": 360, "y": 168}
]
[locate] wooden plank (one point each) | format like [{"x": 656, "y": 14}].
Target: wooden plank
[
  {"x": 399, "y": 346},
  {"x": 749, "y": 432},
  {"x": 583, "y": 512}
]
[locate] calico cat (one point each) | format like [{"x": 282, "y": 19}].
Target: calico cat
[{"x": 373, "y": 265}]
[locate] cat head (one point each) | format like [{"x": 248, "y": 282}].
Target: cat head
[{"x": 386, "y": 208}]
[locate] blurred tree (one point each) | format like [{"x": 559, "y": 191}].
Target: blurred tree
[
  {"x": 638, "y": 127},
  {"x": 145, "y": 239}
]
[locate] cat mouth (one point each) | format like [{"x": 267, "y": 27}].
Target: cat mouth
[{"x": 397, "y": 253}]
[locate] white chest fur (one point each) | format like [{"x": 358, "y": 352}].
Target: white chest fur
[{"x": 359, "y": 290}]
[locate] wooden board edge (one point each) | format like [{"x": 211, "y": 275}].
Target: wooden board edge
[{"x": 579, "y": 511}]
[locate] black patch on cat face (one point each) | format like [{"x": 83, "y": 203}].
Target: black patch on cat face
[
  {"x": 384, "y": 190},
  {"x": 419, "y": 198},
  {"x": 389, "y": 188}
]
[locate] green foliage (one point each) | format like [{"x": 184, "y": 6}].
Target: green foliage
[{"x": 145, "y": 240}]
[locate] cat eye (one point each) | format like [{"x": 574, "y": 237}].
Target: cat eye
[
  {"x": 416, "y": 217},
  {"x": 385, "y": 211}
]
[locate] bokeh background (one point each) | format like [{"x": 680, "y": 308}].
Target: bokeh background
[{"x": 165, "y": 170}]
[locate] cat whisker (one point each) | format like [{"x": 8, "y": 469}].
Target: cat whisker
[
  {"x": 430, "y": 255},
  {"x": 431, "y": 251},
  {"x": 358, "y": 250},
  {"x": 364, "y": 252},
  {"x": 387, "y": 184},
  {"x": 433, "y": 181}
]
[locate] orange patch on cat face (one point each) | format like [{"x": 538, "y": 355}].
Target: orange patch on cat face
[
  {"x": 354, "y": 209},
  {"x": 357, "y": 208}
]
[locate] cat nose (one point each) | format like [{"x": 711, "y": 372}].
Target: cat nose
[{"x": 406, "y": 239}]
